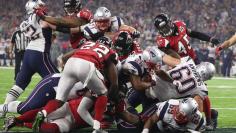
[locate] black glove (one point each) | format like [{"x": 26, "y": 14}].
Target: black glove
[
  {"x": 135, "y": 34},
  {"x": 214, "y": 41}
]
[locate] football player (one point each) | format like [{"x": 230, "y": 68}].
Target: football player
[
  {"x": 84, "y": 66},
  {"x": 176, "y": 116},
  {"x": 37, "y": 57},
  {"x": 45, "y": 90},
  {"x": 75, "y": 17},
  {"x": 176, "y": 36},
  {"x": 231, "y": 41},
  {"x": 136, "y": 72},
  {"x": 64, "y": 120},
  {"x": 125, "y": 45},
  {"x": 190, "y": 79}
]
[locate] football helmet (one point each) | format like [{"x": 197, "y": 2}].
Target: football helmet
[
  {"x": 122, "y": 43},
  {"x": 206, "y": 70},
  {"x": 72, "y": 6},
  {"x": 187, "y": 107},
  {"x": 164, "y": 24},
  {"x": 102, "y": 18},
  {"x": 152, "y": 56},
  {"x": 32, "y": 4},
  {"x": 105, "y": 40}
]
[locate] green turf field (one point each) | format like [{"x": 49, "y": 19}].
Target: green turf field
[{"x": 222, "y": 94}]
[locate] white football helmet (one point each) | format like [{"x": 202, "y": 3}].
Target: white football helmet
[
  {"x": 31, "y": 4},
  {"x": 206, "y": 70},
  {"x": 102, "y": 13},
  {"x": 153, "y": 55},
  {"x": 188, "y": 107},
  {"x": 102, "y": 18}
]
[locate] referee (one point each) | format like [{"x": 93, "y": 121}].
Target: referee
[{"x": 18, "y": 42}]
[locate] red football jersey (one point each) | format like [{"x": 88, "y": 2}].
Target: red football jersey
[
  {"x": 135, "y": 50},
  {"x": 76, "y": 38},
  {"x": 74, "y": 104},
  {"x": 179, "y": 42},
  {"x": 94, "y": 52}
]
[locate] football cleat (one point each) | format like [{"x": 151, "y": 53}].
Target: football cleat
[
  {"x": 214, "y": 117},
  {"x": 9, "y": 122},
  {"x": 38, "y": 121},
  {"x": 2, "y": 115}
]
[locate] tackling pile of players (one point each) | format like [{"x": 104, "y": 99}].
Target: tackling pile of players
[{"x": 108, "y": 75}]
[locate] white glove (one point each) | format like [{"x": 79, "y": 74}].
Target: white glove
[
  {"x": 96, "y": 125},
  {"x": 177, "y": 84},
  {"x": 145, "y": 130}
]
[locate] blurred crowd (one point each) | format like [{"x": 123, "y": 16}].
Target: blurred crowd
[{"x": 214, "y": 17}]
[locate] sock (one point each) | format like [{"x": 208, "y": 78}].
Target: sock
[
  {"x": 207, "y": 110},
  {"x": 4, "y": 108},
  {"x": 100, "y": 107},
  {"x": 28, "y": 125},
  {"x": 13, "y": 94},
  {"x": 85, "y": 104},
  {"x": 28, "y": 116},
  {"x": 12, "y": 106},
  {"x": 49, "y": 128},
  {"x": 51, "y": 106}
]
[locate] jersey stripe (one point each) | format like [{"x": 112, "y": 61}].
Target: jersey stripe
[
  {"x": 163, "y": 111},
  {"x": 200, "y": 124},
  {"x": 137, "y": 66},
  {"x": 119, "y": 21},
  {"x": 20, "y": 40}
]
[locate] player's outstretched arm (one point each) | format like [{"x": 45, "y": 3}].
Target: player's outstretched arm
[
  {"x": 171, "y": 61},
  {"x": 150, "y": 122},
  {"x": 65, "y": 22},
  {"x": 231, "y": 41},
  {"x": 202, "y": 36}
]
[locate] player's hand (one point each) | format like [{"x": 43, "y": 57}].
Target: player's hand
[
  {"x": 85, "y": 14},
  {"x": 177, "y": 84},
  {"x": 41, "y": 11},
  {"x": 135, "y": 34},
  {"x": 153, "y": 80},
  {"x": 218, "y": 50},
  {"x": 214, "y": 41}
]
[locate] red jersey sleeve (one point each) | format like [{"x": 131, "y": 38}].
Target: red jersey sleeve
[{"x": 162, "y": 42}]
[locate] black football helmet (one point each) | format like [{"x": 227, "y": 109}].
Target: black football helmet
[
  {"x": 105, "y": 40},
  {"x": 164, "y": 24},
  {"x": 72, "y": 6},
  {"x": 123, "y": 43}
]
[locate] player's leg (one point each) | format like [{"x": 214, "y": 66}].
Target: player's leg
[
  {"x": 22, "y": 80},
  {"x": 12, "y": 121},
  {"x": 44, "y": 91},
  {"x": 44, "y": 65},
  {"x": 96, "y": 84},
  {"x": 17, "y": 63},
  {"x": 71, "y": 75}
]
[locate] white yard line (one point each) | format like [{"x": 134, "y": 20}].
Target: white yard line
[
  {"x": 221, "y": 86},
  {"x": 223, "y": 97},
  {"x": 224, "y": 78},
  {"x": 225, "y": 108}
]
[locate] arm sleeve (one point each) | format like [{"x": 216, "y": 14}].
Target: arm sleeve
[{"x": 198, "y": 35}]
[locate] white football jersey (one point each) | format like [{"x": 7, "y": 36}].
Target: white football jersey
[
  {"x": 32, "y": 29},
  {"x": 134, "y": 64},
  {"x": 167, "y": 122},
  {"x": 186, "y": 73},
  {"x": 91, "y": 32}
]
